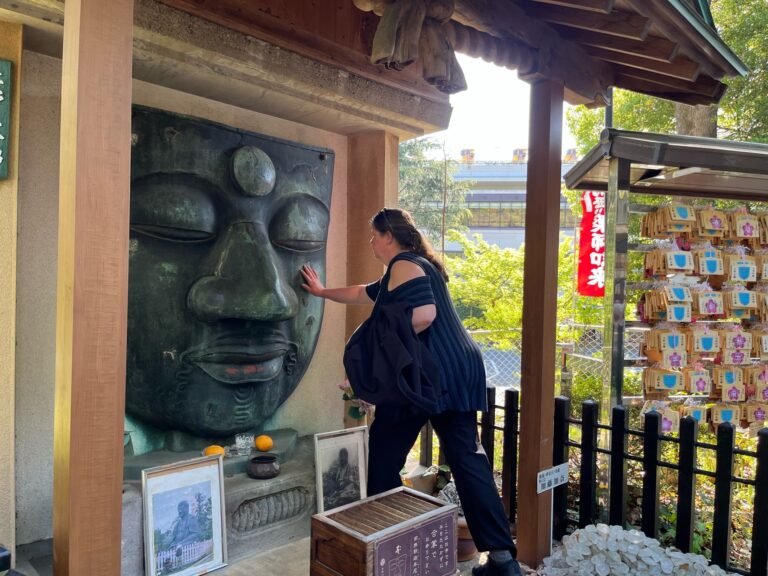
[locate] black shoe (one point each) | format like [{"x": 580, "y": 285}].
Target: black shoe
[{"x": 491, "y": 568}]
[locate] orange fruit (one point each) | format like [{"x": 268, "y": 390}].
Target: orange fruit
[
  {"x": 263, "y": 443},
  {"x": 213, "y": 450}
]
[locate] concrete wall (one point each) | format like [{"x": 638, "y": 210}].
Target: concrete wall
[{"x": 315, "y": 405}]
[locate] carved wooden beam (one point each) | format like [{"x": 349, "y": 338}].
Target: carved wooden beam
[
  {"x": 601, "y": 6},
  {"x": 558, "y": 59},
  {"x": 503, "y": 52},
  {"x": 622, "y": 24}
]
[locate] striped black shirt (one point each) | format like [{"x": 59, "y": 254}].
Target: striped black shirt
[{"x": 462, "y": 372}]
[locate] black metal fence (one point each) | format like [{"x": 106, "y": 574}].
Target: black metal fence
[
  {"x": 647, "y": 447},
  {"x": 689, "y": 449}
]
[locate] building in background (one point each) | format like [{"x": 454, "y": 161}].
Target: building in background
[{"x": 497, "y": 198}]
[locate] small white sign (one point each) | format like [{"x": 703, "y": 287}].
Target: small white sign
[{"x": 552, "y": 477}]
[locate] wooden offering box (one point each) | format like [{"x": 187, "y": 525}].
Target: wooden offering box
[{"x": 397, "y": 533}]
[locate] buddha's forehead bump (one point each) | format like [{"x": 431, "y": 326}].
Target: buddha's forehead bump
[{"x": 250, "y": 165}]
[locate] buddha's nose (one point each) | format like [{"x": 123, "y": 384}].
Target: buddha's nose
[{"x": 247, "y": 282}]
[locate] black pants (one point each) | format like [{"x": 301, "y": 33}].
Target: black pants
[{"x": 391, "y": 437}]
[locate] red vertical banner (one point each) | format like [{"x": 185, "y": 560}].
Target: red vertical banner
[{"x": 591, "y": 278}]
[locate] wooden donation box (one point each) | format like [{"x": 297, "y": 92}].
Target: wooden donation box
[{"x": 397, "y": 533}]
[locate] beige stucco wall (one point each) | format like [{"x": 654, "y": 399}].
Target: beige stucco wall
[
  {"x": 36, "y": 301},
  {"x": 315, "y": 405}
]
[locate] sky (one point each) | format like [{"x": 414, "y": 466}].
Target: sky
[{"x": 491, "y": 116}]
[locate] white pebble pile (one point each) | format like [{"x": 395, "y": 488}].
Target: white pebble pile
[{"x": 612, "y": 551}]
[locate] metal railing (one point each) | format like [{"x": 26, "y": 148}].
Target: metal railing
[{"x": 644, "y": 449}]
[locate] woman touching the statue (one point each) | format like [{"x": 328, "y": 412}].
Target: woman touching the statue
[{"x": 417, "y": 279}]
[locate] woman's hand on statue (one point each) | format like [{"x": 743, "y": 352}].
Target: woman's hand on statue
[{"x": 312, "y": 282}]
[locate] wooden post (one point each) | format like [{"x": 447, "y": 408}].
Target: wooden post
[
  {"x": 537, "y": 397},
  {"x": 372, "y": 180},
  {"x": 10, "y": 89},
  {"x": 92, "y": 286},
  {"x": 372, "y": 184}
]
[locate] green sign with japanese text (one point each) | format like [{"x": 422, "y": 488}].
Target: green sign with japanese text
[{"x": 5, "y": 116}]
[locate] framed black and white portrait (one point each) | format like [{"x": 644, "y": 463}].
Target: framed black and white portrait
[
  {"x": 184, "y": 526},
  {"x": 341, "y": 459}
]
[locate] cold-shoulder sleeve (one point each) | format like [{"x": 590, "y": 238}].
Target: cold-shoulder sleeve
[
  {"x": 416, "y": 292},
  {"x": 372, "y": 289}
]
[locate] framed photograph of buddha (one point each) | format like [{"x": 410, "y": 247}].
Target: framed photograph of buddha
[
  {"x": 184, "y": 523},
  {"x": 341, "y": 459}
]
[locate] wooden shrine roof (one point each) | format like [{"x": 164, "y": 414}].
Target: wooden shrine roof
[{"x": 665, "y": 48}]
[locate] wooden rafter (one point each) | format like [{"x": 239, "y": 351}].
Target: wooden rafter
[
  {"x": 680, "y": 67},
  {"x": 653, "y": 47},
  {"x": 601, "y": 6},
  {"x": 663, "y": 91},
  {"x": 703, "y": 85},
  {"x": 621, "y": 24},
  {"x": 664, "y": 18}
]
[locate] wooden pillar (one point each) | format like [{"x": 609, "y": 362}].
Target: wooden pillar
[
  {"x": 10, "y": 90},
  {"x": 92, "y": 286},
  {"x": 372, "y": 184},
  {"x": 542, "y": 229}
]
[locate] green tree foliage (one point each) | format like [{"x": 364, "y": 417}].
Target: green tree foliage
[
  {"x": 631, "y": 111},
  {"x": 487, "y": 287},
  {"x": 425, "y": 172},
  {"x": 743, "y": 25},
  {"x": 743, "y": 111}
]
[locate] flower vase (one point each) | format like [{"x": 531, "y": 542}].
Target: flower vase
[{"x": 350, "y": 420}]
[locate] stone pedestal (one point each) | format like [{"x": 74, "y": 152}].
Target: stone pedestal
[
  {"x": 260, "y": 514},
  {"x": 264, "y": 514},
  {"x": 132, "y": 535}
]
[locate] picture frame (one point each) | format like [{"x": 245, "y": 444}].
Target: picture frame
[
  {"x": 184, "y": 517},
  {"x": 341, "y": 462}
]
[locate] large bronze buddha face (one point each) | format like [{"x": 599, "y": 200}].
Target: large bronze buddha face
[{"x": 219, "y": 330}]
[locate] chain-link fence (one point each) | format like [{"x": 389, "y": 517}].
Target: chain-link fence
[{"x": 579, "y": 359}]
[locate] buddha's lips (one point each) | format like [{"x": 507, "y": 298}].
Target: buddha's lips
[{"x": 240, "y": 366}]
